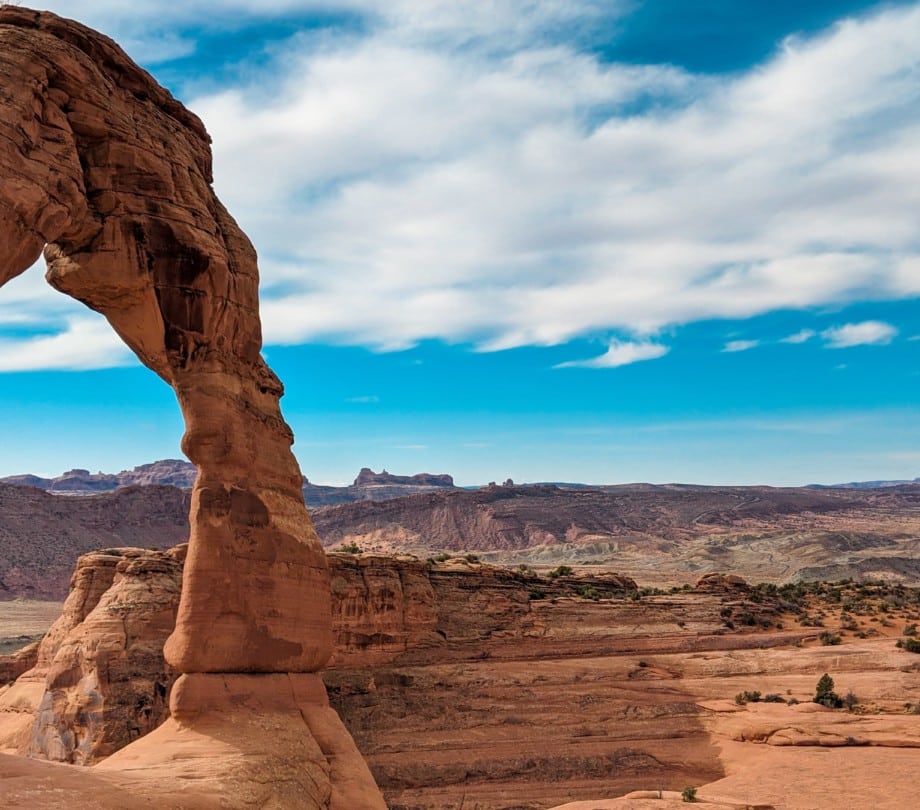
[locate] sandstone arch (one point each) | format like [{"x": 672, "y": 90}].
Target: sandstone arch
[{"x": 107, "y": 173}]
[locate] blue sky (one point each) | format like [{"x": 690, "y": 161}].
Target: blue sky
[{"x": 584, "y": 241}]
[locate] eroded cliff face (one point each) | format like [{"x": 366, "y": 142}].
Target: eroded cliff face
[{"x": 101, "y": 681}]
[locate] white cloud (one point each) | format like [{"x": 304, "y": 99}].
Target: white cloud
[
  {"x": 402, "y": 189},
  {"x": 802, "y": 336},
  {"x": 867, "y": 333},
  {"x": 620, "y": 353},
  {"x": 364, "y": 400},
  {"x": 740, "y": 345},
  {"x": 87, "y": 343}
]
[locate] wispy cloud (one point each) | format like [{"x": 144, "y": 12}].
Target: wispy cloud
[
  {"x": 620, "y": 353},
  {"x": 368, "y": 399},
  {"x": 802, "y": 336},
  {"x": 866, "y": 333},
  {"x": 88, "y": 342},
  {"x": 740, "y": 345}
]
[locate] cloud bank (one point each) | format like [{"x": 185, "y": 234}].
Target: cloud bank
[
  {"x": 453, "y": 172},
  {"x": 402, "y": 186}
]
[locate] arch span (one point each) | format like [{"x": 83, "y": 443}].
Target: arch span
[{"x": 111, "y": 176}]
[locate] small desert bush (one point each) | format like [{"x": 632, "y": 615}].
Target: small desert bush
[
  {"x": 747, "y": 697},
  {"x": 829, "y": 639},
  {"x": 588, "y": 592},
  {"x": 688, "y": 794},
  {"x": 561, "y": 571},
  {"x": 825, "y": 694}
]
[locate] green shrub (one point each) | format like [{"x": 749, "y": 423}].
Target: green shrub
[
  {"x": 912, "y": 645},
  {"x": 829, "y": 639},
  {"x": 688, "y": 794},
  {"x": 588, "y": 592},
  {"x": 747, "y": 697},
  {"x": 561, "y": 571},
  {"x": 350, "y": 548},
  {"x": 825, "y": 694}
]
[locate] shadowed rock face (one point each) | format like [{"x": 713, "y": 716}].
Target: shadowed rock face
[{"x": 111, "y": 176}]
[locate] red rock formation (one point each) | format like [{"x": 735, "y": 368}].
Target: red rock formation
[
  {"x": 111, "y": 176},
  {"x": 108, "y": 683}
]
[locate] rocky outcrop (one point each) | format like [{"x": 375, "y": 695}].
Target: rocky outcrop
[
  {"x": 19, "y": 703},
  {"x": 108, "y": 683},
  {"x": 722, "y": 582},
  {"x": 100, "y": 679},
  {"x": 110, "y": 176}
]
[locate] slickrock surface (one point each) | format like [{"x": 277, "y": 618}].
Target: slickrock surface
[{"x": 110, "y": 176}]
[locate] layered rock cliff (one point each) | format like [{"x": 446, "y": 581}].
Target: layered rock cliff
[{"x": 100, "y": 679}]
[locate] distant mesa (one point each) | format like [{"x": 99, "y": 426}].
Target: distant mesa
[
  {"x": 368, "y": 486},
  {"x": 168, "y": 472},
  {"x": 368, "y": 477},
  {"x": 867, "y": 484}
]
